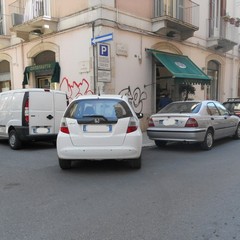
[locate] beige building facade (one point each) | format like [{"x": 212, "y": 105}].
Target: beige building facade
[{"x": 139, "y": 48}]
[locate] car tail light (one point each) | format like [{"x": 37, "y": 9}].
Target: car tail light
[
  {"x": 26, "y": 111},
  {"x": 191, "y": 122},
  {"x": 64, "y": 127},
  {"x": 150, "y": 123},
  {"x": 132, "y": 126}
]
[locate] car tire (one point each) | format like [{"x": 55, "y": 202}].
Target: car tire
[
  {"x": 136, "y": 163},
  {"x": 207, "y": 144},
  {"x": 14, "y": 141},
  {"x": 160, "y": 143},
  {"x": 64, "y": 164},
  {"x": 237, "y": 133}
]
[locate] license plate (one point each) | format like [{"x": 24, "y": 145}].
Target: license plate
[
  {"x": 41, "y": 130},
  {"x": 169, "y": 122},
  {"x": 97, "y": 128}
]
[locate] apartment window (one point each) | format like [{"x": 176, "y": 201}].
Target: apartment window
[
  {"x": 180, "y": 9},
  {"x": 173, "y": 8},
  {"x": 1, "y": 18}
]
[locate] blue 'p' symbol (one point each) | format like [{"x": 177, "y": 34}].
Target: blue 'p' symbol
[{"x": 103, "y": 50}]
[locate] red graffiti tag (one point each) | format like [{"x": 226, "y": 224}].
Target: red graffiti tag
[{"x": 75, "y": 89}]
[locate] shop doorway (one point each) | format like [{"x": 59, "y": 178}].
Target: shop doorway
[
  {"x": 213, "y": 71},
  {"x": 44, "y": 82}
]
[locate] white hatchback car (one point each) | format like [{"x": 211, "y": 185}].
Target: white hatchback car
[{"x": 98, "y": 127}]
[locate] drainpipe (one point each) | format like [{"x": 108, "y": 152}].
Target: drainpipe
[
  {"x": 22, "y": 58},
  {"x": 94, "y": 58}
]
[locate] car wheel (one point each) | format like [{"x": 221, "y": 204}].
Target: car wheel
[
  {"x": 207, "y": 144},
  {"x": 136, "y": 163},
  {"x": 14, "y": 141},
  {"x": 64, "y": 164},
  {"x": 237, "y": 133},
  {"x": 160, "y": 143}
]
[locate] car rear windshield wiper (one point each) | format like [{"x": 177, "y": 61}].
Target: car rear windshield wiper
[{"x": 96, "y": 119}]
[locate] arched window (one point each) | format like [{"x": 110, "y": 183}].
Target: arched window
[{"x": 5, "y": 79}]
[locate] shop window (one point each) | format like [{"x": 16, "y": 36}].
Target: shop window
[{"x": 5, "y": 86}]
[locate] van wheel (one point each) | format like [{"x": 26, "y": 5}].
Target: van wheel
[
  {"x": 14, "y": 141},
  {"x": 207, "y": 144},
  {"x": 64, "y": 164},
  {"x": 135, "y": 163}
]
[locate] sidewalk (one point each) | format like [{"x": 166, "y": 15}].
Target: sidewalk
[{"x": 146, "y": 141}]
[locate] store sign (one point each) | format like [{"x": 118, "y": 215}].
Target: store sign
[{"x": 41, "y": 67}]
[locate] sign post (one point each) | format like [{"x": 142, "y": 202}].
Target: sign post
[
  {"x": 103, "y": 57},
  {"x": 104, "y": 62}
]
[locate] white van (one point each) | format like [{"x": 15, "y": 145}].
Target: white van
[{"x": 31, "y": 115}]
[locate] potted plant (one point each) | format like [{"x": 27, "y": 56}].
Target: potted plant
[
  {"x": 237, "y": 22},
  {"x": 232, "y": 20},
  {"x": 226, "y": 18}
]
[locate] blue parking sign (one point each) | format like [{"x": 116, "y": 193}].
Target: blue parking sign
[{"x": 103, "y": 50}]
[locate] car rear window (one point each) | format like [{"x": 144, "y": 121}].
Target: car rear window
[
  {"x": 182, "y": 107},
  {"x": 232, "y": 106},
  {"x": 110, "y": 109}
]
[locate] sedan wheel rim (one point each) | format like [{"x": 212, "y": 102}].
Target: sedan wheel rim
[
  {"x": 209, "y": 140},
  {"x": 238, "y": 131}
]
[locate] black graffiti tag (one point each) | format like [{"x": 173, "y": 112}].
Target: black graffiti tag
[{"x": 136, "y": 97}]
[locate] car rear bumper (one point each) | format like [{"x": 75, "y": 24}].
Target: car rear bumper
[
  {"x": 66, "y": 150},
  {"x": 181, "y": 135}
]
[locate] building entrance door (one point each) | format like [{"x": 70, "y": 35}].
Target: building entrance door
[{"x": 44, "y": 82}]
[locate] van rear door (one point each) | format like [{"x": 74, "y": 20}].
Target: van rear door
[
  {"x": 60, "y": 105},
  {"x": 46, "y": 109},
  {"x": 41, "y": 112}
]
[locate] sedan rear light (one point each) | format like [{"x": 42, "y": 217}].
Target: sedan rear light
[
  {"x": 132, "y": 126},
  {"x": 191, "y": 122},
  {"x": 150, "y": 123},
  {"x": 64, "y": 127}
]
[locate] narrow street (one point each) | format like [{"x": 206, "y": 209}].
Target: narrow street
[{"x": 181, "y": 193}]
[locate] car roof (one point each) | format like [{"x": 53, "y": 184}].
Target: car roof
[
  {"x": 232, "y": 100},
  {"x": 196, "y": 101},
  {"x": 31, "y": 90},
  {"x": 102, "y": 96}
]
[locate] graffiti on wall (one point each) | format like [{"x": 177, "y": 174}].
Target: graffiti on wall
[
  {"x": 136, "y": 96},
  {"x": 75, "y": 89}
]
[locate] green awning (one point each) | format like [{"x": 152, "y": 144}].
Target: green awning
[
  {"x": 54, "y": 68},
  {"x": 182, "y": 68}
]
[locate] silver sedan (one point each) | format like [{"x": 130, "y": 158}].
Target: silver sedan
[{"x": 193, "y": 121}]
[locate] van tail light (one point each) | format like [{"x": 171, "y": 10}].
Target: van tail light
[
  {"x": 132, "y": 126},
  {"x": 150, "y": 123},
  {"x": 191, "y": 122},
  {"x": 64, "y": 127},
  {"x": 26, "y": 111}
]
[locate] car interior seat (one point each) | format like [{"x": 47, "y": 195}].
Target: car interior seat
[{"x": 89, "y": 110}]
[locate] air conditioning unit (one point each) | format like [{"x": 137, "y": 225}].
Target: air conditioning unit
[{"x": 17, "y": 19}]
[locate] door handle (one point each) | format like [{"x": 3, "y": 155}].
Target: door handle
[{"x": 49, "y": 117}]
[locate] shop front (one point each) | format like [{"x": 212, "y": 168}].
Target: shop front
[
  {"x": 174, "y": 73},
  {"x": 42, "y": 76}
]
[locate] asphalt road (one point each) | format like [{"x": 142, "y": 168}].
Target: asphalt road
[{"x": 181, "y": 193}]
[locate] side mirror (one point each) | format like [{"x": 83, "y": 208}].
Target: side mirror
[{"x": 139, "y": 115}]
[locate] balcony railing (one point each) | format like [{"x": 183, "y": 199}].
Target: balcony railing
[
  {"x": 26, "y": 10},
  {"x": 223, "y": 30},
  {"x": 185, "y": 11}
]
